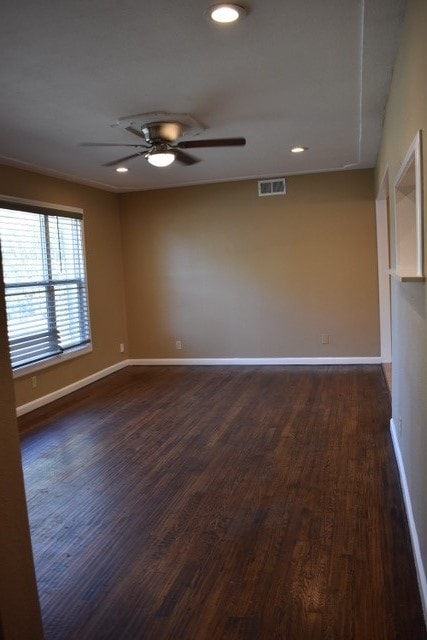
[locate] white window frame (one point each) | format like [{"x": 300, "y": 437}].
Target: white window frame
[
  {"x": 408, "y": 218},
  {"x": 48, "y": 207}
]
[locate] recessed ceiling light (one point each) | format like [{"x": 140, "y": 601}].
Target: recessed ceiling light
[
  {"x": 298, "y": 149},
  {"x": 226, "y": 13},
  {"x": 122, "y": 169}
]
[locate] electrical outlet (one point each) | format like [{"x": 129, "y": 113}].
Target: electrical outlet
[
  {"x": 324, "y": 338},
  {"x": 178, "y": 344},
  {"x": 122, "y": 347},
  {"x": 34, "y": 382}
]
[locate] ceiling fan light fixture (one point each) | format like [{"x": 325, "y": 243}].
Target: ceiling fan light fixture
[
  {"x": 160, "y": 158},
  {"x": 226, "y": 13}
]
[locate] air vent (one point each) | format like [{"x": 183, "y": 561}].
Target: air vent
[{"x": 275, "y": 187}]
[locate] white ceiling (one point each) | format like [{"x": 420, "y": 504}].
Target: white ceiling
[{"x": 314, "y": 73}]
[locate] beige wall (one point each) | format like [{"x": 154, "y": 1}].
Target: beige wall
[
  {"x": 20, "y": 612},
  {"x": 234, "y": 275},
  {"x": 406, "y": 113},
  {"x": 104, "y": 270}
]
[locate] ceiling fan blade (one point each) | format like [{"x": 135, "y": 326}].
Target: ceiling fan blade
[
  {"x": 114, "y": 162},
  {"x": 216, "y": 142},
  {"x": 185, "y": 158},
  {"x": 111, "y": 144}
]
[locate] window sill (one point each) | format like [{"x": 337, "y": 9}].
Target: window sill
[
  {"x": 406, "y": 277},
  {"x": 50, "y": 362}
]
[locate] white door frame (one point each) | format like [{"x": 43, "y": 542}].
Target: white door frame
[{"x": 383, "y": 253}]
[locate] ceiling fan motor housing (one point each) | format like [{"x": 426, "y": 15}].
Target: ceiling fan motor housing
[{"x": 155, "y": 132}]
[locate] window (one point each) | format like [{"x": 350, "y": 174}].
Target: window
[
  {"x": 408, "y": 191},
  {"x": 45, "y": 283}
]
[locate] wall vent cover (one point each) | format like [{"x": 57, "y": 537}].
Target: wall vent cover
[{"x": 274, "y": 187}]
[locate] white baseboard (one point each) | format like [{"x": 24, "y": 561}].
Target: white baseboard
[
  {"x": 421, "y": 574},
  {"x": 40, "y": 402},
  {"x": 55, "y": 395},
  {"x": 253, "y": 361}
]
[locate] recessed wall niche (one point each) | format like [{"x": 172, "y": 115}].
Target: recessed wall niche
[{"x": 408, "y": 192}]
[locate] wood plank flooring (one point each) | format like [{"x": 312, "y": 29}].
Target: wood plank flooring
[{"x": 208, "y": 503}]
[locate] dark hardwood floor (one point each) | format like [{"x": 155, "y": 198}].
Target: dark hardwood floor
[{"x": 208, "y": 503}]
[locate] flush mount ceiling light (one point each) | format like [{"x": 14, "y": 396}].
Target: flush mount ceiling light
[
  {"x": 299, "y": 149},
  {"x": 122, "y": 169},
  {"x": 226, "y": 13},
  {"x": 160, "y": 157}
]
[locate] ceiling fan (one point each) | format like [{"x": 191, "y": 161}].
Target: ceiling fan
[{"x": 161, "y": 147}]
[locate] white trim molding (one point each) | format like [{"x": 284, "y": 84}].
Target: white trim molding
[
  {"x": 60, "y": 393},
  {"x": 421, "y": 574},
  {"x": 254, "y": 361}
]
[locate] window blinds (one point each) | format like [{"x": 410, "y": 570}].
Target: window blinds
[{"x": 45, "y": 283}]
